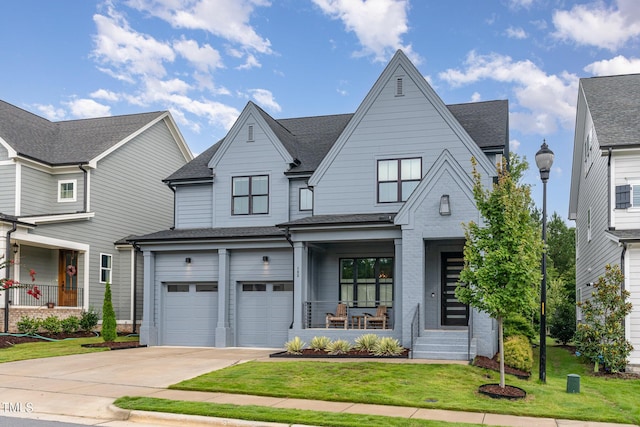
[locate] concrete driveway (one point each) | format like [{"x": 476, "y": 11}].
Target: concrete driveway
[{"x": 84, "y": 385}]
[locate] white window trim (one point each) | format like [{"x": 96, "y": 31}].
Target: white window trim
[
  {"x": 75, "y": 190},
  {"x": 110, "y": 270},
  {"x": 632, "y": 183},
  {"x": 300, "y": 191}
]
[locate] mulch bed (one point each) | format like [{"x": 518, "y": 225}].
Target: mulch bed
[
  {"x": 506, "y": 392},
  {"x": 309, "y": 353},
  {"x": 494, "y": 365},
  {"x": 9, "y": 340}
]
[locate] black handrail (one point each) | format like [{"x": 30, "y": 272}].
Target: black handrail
[{"x": 415, "y": 327}]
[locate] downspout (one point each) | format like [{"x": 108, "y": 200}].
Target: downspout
[
  {"x": 287, "y": 236},
  {"x": 136, "y": 249},
  {"x": 609, "y": 192},
  {"x": 86, "y": 190},
  {"x": 174, "y": 204},
  {"x": 14, "y": 227}
]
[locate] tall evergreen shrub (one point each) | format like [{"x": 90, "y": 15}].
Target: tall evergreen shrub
[{"x": 108, "y": 316}]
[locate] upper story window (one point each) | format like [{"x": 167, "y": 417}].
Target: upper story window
[
  {"x": 67, "y": 190},
  {"x": 397, "y": 178},
  {"x": 306, "y": 199},
  {"x": 250, "y": 133},
  {"x": 105, "y": 268},
  {"x": 250, "y": 195}
]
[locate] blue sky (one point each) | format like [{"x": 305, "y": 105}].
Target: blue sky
[{"x": 205, "y": 59}]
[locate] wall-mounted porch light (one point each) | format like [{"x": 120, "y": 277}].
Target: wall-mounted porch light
[
  {"x": 15, "y": 247},
  {"x": 265, "y": 259},
  {"x": 445, "y": 207},
  {"x": 187, "y": 260}
]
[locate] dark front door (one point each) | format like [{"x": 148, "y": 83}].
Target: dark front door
[
  {"x": 454, "y": 313},
  {"x": 68, "y": 279}
]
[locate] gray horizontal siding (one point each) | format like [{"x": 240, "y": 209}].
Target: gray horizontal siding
[
  {"x": 294, "y": 200},
  {"x": 194, "y": 206},
  {"x": 7, "y": 189}
]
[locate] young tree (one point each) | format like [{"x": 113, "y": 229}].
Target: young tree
[
  {"x": 502, "y": 256},
  {"x": 109, "y": 332},
  {"x": 600, "y": 336}
]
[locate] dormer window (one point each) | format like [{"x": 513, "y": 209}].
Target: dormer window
[
  {"x": 250, "y": 133},
  {"x": 67, "y": 190},
  {"x": 397, "y": 178},
  {"x": 250, "y": 195}
]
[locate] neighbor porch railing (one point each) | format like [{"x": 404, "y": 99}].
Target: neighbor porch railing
[
  {"x": 415, "y": 327},
  {"x": 315, "y": 313},
  {"x": 50, "y": 294}
]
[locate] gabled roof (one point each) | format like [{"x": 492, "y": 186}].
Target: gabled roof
[
  {"x": 487, "y": 122},
  {"x": 66, "y": 142},
  {"x": 614, "y": 104}
]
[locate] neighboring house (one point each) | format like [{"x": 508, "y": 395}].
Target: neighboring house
[
  {"x": 69, "y": 191},
  {"x": 283, "y": 219},
  {"x": 605, "y": 189}
]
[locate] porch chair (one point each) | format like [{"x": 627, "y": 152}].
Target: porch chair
[
  {"x": 379, "y": 319},
  {"x": 339, "y": 318}
]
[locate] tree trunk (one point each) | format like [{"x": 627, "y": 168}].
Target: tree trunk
[{"x": 501, "y": 350}]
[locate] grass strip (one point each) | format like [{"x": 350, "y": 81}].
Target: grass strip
[
  {"x": 39, "y": 350},
  {"x": 277, "y": 415}
]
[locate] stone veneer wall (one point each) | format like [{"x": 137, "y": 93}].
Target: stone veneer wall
[{"x": 16, "y": 313}]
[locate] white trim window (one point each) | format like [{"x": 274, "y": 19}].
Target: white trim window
[
  {"x": 67, "y": 189},
  {"x": 306, "y": 199},
  {"x": 106, "y": 262}
]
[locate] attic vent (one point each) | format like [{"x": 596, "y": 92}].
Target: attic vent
[
  {"x": 399, "y": 87},
  {"x": 250, "y": 133}
]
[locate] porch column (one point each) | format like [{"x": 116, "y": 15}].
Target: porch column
[
  {"x": 398, "y": 318},
  {"x": 224, "y": 337},
  {"x": 148, "y": 328},
  {"x": 299, "y": 283}
]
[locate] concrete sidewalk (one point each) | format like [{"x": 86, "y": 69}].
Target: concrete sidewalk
[{"x": 82, "y": 388}]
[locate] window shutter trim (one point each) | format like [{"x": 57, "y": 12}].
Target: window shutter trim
[{"x": 623, "y": 196}]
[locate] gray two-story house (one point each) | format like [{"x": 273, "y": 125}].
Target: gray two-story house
[
  {"x": 284, "y": 221},
  {"x": 605, "y": 190},
  {"x": 70, "y": 192}
]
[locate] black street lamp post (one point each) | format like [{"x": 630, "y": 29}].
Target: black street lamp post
[{"x": 544, "y": 160}]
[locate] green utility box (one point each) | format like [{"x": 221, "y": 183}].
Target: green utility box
[{"x": 573, "y": 383}]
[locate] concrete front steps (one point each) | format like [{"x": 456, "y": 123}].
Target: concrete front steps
[{"x": 444, "y": 344}]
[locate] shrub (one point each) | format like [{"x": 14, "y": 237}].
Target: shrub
[
  {"x": 319, "y": 343},
  {"x": 562, "y": 324},
  {"x": 28, "y": 325},
  {"x": 601, "y": 337},
  {"x": 366, "y": 342},
  {"x": 339, "y": 347},
  {"x": 70, "y": 324},
  {"x": 294, "y": 346},
  {"x": 387, "y": 346},
  {"x": 52, "y": 324},
  {"x": 518, "y": 353},
  {"x": 109, "y": 332},
  {"x": 89, "y": 319},
  {"x": 519, "y": 325}
]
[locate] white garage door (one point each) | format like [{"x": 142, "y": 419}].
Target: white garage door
[
  {"x": 190, "y": 314},
  {"x": 264, "y": 314}
]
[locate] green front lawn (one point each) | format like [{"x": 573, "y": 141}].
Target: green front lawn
[
  {"x": 38, "y": 350},
  {"x": 432, "y": 386}
]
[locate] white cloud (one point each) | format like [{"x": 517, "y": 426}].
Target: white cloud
[
  {"x": 105, "y": 94},
  {"x": 476, "y": 97},
  {"x": 228, "y": 19},
  {"x": 378, "y": 24},
  {"x": 543, "y": 102},
  {"x": 204, "y": 58},
  {"x": 617, "y": 65},
  {"x": 596, "y": 24},
  {"x": 251, "y": 62},
  {"x": 520, "y": 3},
  {"x": 50, "y": 112},
  {"x": 87, "y": 108},
  {"x": 265, "y": 99},
  {"x": 516, "y": 33},
  {"x": 126, "y": 52},
  {"x": 514, "y": 144}
]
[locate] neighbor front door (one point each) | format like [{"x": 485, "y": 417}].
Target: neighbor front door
[
  {"x": 453, "y": 312},
  {"x": 68, "y": 278}
]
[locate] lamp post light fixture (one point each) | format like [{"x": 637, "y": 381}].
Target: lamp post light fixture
[{"x": 544, "y": 160}]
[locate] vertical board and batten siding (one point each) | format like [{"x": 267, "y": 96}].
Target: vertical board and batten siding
[
  {"x": 7, "y": 188},
  {"x": 595, "y": 254},
  {"x": 243, "y": 158},
  {"x": 194, "y": 206},
  {"x": 626, "y": 168},
  {"x": 294, "y": 200},
  {"x": 633, "y": 283},
  {"x": 128, "y": 197},
  {"x": 394, "y": 127}
]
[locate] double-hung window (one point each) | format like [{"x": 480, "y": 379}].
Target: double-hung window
[
  {"x": 397, "y": 178},
  {"x": 67, "y": 190},
  {"x": 105, "y": 268},
  {"x": 366, "y": 282},
  {"x": 250, "y": 195}
]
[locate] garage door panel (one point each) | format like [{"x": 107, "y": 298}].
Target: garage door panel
[
  {"x": 189, "y": 315},
  {"x": 264, "y": 314}
]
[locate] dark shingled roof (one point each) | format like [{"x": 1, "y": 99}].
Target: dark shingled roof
[
  {"x": 211, "y": 234},
  {"x": 309, "y": 139},
  {"x": 67, "y": 142},
  {"x": 343, "y": 219},
  {"x": 614, "y": 104}
]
